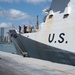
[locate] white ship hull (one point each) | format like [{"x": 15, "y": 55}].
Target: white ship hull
[{"x": 55, "y": 40}]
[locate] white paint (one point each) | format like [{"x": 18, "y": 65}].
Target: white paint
[{"x": 57, "y": 25}]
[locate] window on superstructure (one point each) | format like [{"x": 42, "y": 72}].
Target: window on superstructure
[
  {"x": 67, "y": 12},
  {"x": 50, "y": 16},
  {"x": 66, "y": 15}
]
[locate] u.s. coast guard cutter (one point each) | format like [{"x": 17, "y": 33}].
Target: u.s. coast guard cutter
[{"x": 55, "y": 40}]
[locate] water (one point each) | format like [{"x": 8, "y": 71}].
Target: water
[{"x": 8, "y": 48}]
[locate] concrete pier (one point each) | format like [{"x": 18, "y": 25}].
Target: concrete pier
[{"x": 12, "y": 64}]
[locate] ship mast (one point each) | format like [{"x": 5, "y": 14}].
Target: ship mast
[{"x": 37, "y": 23}]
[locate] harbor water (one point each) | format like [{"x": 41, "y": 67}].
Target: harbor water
[{"x": 10, "y": 48}]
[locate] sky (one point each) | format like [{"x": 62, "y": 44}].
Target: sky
[{"x": 20, "y": 12}]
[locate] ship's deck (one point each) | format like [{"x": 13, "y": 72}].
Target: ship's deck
[{"x": 12, "y": 64}]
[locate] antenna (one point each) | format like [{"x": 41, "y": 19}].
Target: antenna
[{"x": 37, "y": 23}]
